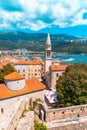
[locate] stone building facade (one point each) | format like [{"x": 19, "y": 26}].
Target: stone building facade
[
  {"x": 55, "y": 71},
  {"x": 22, "y": 68},
  {"x": 30, "y": 69},
  {"x": 35, "y": 69}
]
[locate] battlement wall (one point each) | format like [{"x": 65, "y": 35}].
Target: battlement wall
[{"x": 67, "y": 112}]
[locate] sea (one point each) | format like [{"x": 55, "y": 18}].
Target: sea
[
  {"x": 71, "y": 59},
  {"x": 68, "y": 59}
]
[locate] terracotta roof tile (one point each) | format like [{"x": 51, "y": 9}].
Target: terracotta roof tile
[
  {"x": 36, "y": 62},
  {"x": 28, "y": 62},
  {"x": 32, "y": 85},
  {"x": 14, "y": 76},
  {"x": 21, "y": 62},
  {"x": 58, "y": 67}
]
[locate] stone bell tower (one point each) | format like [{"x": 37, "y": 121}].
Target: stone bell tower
[{"x": 48, "y": 53}]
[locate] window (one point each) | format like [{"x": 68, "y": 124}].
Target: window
[
  {"x": 18, "y": 71},
  {"x": 62, "y": 112},
  {"x": 53, "y": 112},
  {"x": 57, "y": 75},
  {"x": 48, "y": 54},
  {"x": 17, "y": 82},
  {"x": 35, "y": 74},
  {"x": 23, "y": 70},
  {"x": 2, "y": 110}
]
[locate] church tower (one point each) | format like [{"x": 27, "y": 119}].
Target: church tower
[{"x": 48, "y": 53}]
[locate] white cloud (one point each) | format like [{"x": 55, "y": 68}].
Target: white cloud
[{"x": 38, "y": 14}]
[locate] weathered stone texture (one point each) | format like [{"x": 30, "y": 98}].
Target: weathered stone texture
[
  {"x": 72, "y": 126},
  {"x": 68, "y": 112}
]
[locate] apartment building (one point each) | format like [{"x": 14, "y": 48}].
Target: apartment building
[{"x": 30, "y": 69}]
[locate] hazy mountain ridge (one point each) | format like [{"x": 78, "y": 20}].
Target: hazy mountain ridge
[{"x": 36, "y": 42}]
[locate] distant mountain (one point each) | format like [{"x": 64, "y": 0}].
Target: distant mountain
[
  {"x": 36, "y": 42},
  {"x": 17, "y": 36}
]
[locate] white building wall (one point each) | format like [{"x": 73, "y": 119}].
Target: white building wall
[
  {"x": 15, "y": 85},
  {"x": 22, "y": 69}
]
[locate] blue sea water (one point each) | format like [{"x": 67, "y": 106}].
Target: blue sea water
[
  {"x": 68, "y": 59},
  {"x": 71, "y": 59}
]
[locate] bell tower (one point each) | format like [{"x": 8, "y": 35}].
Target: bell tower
[{"x": 48, "y": 53}]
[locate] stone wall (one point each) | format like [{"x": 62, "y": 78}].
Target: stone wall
[
  {"x": 68, "y": 112},
  {"x": 26, "y": 122},
  {"x": 12, "y": 123},
  {"x": 54, "y": 76},
  {"x": 21, "y": 107},
  {"x": 79, "y": 123},
  {"x": 14, "y": 107}
]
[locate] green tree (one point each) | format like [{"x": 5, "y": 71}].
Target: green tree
[
  {"x": 39, "y": 126},
  {"x": 72, "y": 85},
  {"x": 7, "y": 69}
]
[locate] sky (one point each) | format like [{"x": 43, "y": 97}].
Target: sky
[{"x": 53, "y": 16}]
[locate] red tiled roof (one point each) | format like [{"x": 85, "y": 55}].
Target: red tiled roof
[
  {"x": 32, "y": 62},
  {"x": 58, "y": 67},
  {"x": 36, "y": 62},
  {"x": 14, "y": 76},
  {"x": 21, "y": 62},
  {"x": 32, "y": 85}
]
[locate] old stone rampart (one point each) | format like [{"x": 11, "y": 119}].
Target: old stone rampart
[
  {"x": 67, "y": 112},
  {"x": 12, "y": 123}
]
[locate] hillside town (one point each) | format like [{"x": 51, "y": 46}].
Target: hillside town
[
  {"x": 34, "y": 82},
  {"x": 46, "y": 71}
]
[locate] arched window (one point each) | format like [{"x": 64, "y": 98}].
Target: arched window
[
  {"x": 57, "y": 75},
  {"x": 2, "y": 110},
  {"x": 48, "y": 54}
]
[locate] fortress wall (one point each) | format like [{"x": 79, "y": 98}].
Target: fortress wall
[
  {"x": 68, "y": 112},
  {"x": 74, "y": 125},
  {"x": 21, "y": 106},
  {"x": 12, "y": 123}
]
